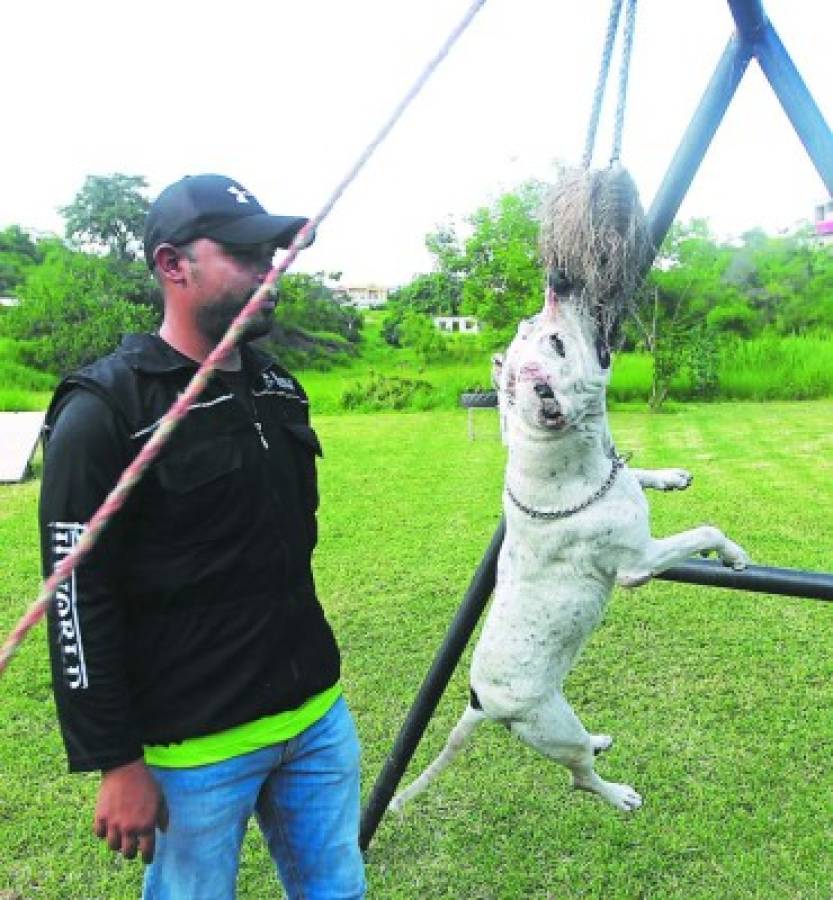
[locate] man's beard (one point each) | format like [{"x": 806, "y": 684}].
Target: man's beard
[{"x": 214, "y": 320}]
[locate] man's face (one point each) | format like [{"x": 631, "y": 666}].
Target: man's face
[{"x": 224, "y": 279}]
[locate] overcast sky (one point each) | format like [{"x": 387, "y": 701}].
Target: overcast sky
[{"x": 284, "y": 95}]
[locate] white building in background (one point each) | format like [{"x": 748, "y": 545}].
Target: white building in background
[
  {"x": 460, "y": 324},
  {"x": 362, "y": 296},
  {"x": 824, "y": 219}
]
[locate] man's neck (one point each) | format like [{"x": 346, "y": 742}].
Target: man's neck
[{"x": 197, "y": 348}]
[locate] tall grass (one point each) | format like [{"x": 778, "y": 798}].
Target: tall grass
[
  {"x": 21, "y": 387},
  {"x": 766, "y": 368},
  {"x": 773, "y": 367},
  {"x": 778, "y": 368}
]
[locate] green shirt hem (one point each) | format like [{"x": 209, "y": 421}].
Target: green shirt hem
[{"x": 246, "y": 738}]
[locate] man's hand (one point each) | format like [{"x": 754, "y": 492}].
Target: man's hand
[{"x": 130, "y": 806}]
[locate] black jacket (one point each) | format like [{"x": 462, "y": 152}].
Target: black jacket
[{"x": 196, "y": 611}]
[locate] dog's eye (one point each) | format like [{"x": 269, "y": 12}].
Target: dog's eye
[{"x": 557, "y": 344}]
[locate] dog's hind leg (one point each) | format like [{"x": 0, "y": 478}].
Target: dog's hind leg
[
  {"x": 552, "y": 728},
  {"x": 460, "y": 734}
]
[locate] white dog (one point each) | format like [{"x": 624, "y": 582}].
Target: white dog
[{"x": 576, "y": 524}]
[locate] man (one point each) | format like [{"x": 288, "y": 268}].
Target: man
[{"x": 192, "y": 663}]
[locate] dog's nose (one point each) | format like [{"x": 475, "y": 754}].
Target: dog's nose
[{"x": 544, "y": 391}]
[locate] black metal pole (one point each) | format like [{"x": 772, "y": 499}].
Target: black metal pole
[
  {"x": 433, "y": 686},
  {"x": 764, "y": 579},
  {"x": 797, "y": 102},
  {"x": 704, "y": 123}
]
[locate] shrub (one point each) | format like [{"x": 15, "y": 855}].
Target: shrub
[
  {"x": 381, "y": 392},
  {"x": 73, "y": 309}
]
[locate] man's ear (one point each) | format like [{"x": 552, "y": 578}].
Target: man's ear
[{"x": 171, "y": 264}]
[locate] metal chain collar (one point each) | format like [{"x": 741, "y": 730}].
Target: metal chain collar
[{"x": 617, "y": 464}]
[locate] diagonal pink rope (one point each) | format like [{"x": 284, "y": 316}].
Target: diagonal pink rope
[{"x": 134, "y": 472}]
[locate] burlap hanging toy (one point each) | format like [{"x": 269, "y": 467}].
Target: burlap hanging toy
[{"x": 594, "y": 241}]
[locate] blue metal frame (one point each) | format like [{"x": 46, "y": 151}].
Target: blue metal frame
[{"x": 755, "y": 37}]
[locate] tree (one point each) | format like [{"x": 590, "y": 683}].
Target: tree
[
  {"x": 504, "y": 275},
  {"x": 72, "y": 310},
  {"x": 418, "y": 332},
  {"x": 671, "y": 309},
  {"x": 307, "y": 304},
  {"x": 435, "y": 293},
  {"x": 791, "y": 280},
  {"x": 17, "y": 252},
  {"x": 108, "y": 215},
  {"x": 494, "y": 274},
  {"x": 311, "y": 328}
]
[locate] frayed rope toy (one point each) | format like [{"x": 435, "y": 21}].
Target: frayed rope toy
[{"x": 595, "y": 243}]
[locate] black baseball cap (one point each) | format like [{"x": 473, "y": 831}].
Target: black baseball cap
[{"x": 216, "y": 207}]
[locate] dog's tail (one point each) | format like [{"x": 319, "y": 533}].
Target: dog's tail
[{"x": 460, "y": 734}]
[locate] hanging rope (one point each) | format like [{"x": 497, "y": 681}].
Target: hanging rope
[
  {"x": 134, "y": 472},
  {"x": 601, "y": 83},
  {"x": 624, "y": 68}
]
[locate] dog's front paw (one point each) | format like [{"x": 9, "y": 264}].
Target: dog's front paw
[
  {"x": 734, "y": 556},
  {"x": 676, "y": 479}
]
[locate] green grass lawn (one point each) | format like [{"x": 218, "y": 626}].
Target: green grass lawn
[{"x": 721, "y": 702}]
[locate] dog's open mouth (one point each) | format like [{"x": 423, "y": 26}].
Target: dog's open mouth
[{"x": 551, "y": 415}]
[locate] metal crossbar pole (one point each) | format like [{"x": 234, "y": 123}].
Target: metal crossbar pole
[
  {"x": 763, "y": 579},
  {"x": 797, "y": 102},
  {"x": 702, "y": 128}
]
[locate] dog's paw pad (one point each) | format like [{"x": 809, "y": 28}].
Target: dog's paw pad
[
  {"x": 678, "y": 480},
  {"x": 735, "y": 557},
  {"x": 622, "y": 796}
]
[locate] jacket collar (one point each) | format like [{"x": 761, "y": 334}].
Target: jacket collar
[{"x": 149, "y": 353}]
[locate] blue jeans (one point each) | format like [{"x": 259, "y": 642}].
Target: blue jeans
[{"x": 305, "y": 794}]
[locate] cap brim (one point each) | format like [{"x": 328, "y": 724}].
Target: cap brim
[{"x": 259, "y": 229}]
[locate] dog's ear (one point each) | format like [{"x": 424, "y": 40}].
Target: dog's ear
[{"x": 497, "y": 369}]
